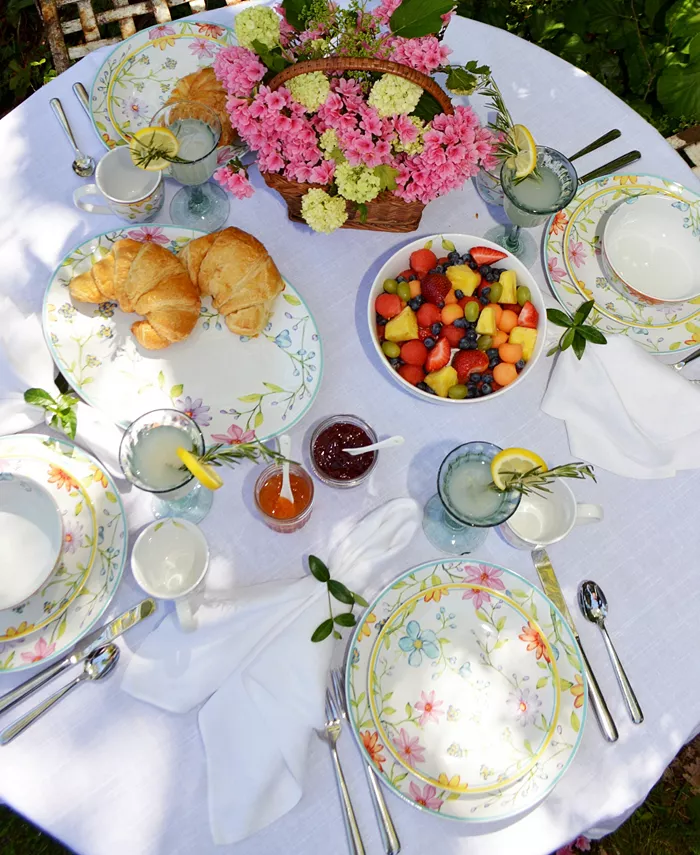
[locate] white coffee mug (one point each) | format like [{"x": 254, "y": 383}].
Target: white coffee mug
[
  {"x": 543, "y": 519},
  {"x": 131, "y": 193},
  {"x": 169, "y": 561}
]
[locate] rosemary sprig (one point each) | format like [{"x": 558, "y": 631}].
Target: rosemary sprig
[
  {"x": 144, "y": 154},
  {"x": 232, "y": 455},
  {"x": 535, "y": 480},
  {"x": 339, "y": 592}
]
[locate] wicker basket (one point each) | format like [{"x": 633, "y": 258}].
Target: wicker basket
[{"x": 386, "y": 213}]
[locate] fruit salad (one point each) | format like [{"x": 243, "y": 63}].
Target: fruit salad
[{"x": 456, "y": 326}]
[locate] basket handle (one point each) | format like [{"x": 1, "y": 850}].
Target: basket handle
[{"x": 356, "y": 63}]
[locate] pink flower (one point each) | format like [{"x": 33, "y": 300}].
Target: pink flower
[
  {"x": 557, "y": 273},
  {"x": 149, "y": 234},
  {"x": 565, "y": 850},
  {"x": 385, "y": 10},
  {"x": 489, "y": 577},
  {"x": 195, "y": 409},
  {"x": 427, "y": 797},
  {"x": 41, "y": 651},
  {"x": 583, "y": 844},
  {"x": 211, "y": 30},
  {"x": 424, "y": 54},
  {"x": 235, "y": 181},
  {"x": 239, "y": 70},
  {"x": 234, "y": 436},
  {"x": 577, "y": 253},
  {"x": 202, "y": 47},
  {"x": 160, "y": 31},
  {"x": 478, "y": 595},
  {"x": 429, "y": 707},
  {"x": 410, "y": 749}
]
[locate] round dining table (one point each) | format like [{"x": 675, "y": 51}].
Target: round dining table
[{"x": 105, "y": 773}]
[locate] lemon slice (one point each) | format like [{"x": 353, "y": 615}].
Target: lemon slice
[
  {"x": 204, "y": 473},
  {"x": 525, "y": 161},
  {"x": 153, "y": 148},
  {"x": 510, "y": 460}
]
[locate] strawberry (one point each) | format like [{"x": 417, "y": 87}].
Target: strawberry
[
  {"x": 427, "y": 315},
  {"x": 486, "y": 255},
  {"x": 439, "y": 356},
  {"x": 443, "y": 260},
  {"x": 413, "y": 374},
  {"x": 467, "y": 362},
  {"x": 380, "y": 333},
  {"x": 423, "y": 260},
  {"x": 424, "y": 332},
  {"x": 528, "y": 316},
  {"x": 414, "y": 352},
  {"x": 388, "y": 305},
  {"x": 435, "y": 287},
  {"x": 514, "y": 307},
  {"x": 452, "y": 333}
]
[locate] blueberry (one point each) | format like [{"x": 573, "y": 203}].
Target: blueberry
[
  {"x": 472, "y": 345},
  {"x": 493, "y": 362},
  {"x": 486, "y": 389},
  {"x": 423, "y": 385},
  {"x": 435, "y": 270},
  {"x": 485, "y": 292},
  {"x": 520, "y": 364},
  {"x": 459, "y": 294},
  {"x": 475, "y": 377},
  {"x": 484, "y": 269},
  {"x": 487, "y": 378},
  {"x": 400, "y": 279},
  {"x": 472, "y": 389},
  {"x": 466, "y": 257},
  {"x": 395, "y": 363},
  {"x": 472, "y": 264},
  {"x": 471, "y": 325},
  {"x": 484, "y": 300},
  {"x": 429, "y": 342},
  {"x": 382, "y": 321},
  {"x": 435, "y": 328},
  {"x": 491, "y": 276},
  {"x": 491, "y": 352},
  {"x": 441, "y": 268},
  {"x": 472, "y": 334},
  {"x": 454, "y": 256},
  {"x": 415, "y": 303},
  {"x": 460, "y": 323},
  {"x": 412, "y": 277},
  {"x": 465, "y": 344}
]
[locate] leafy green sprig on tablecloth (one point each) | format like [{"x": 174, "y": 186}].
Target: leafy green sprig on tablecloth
[
  {"x": 577, "y": 332},
  {"x": 339, "y": 592},
  {"x": 62, "y": 409}
]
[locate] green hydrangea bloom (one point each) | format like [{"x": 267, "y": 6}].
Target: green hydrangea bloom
[
  {"x": 260, "y": 24},
  {"x": 322, "y": 212},
  {"x": 416, "y": 147},
  {"x": 357, "y": 183},
  {"x": 309, "y": 90},
  {"x": 328, "y": 141},
  {"x": 392, "y": 95}
]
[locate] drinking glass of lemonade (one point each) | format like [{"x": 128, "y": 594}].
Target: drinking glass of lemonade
[
  {"x": 200, "y": 204},
  {"x": 148, "y": 457},
  {"x": 528, "y": 202},
  {"x": 458, "y": 517}
]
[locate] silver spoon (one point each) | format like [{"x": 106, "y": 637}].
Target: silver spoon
[
  {"x": 389, "y": 442},
  {"x": 595, "y": 609},
  {"x": 83, "y": 164},
  {"x": 680, "y": 365},
  {"x": 97, "y": 666}
]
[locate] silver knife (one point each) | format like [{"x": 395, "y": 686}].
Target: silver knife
[
  {"x": 97, "y": 638},
  {"x": 552, "y": 589}
]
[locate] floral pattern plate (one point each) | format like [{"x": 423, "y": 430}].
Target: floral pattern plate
[
  {"x": 137, "y": 77},
  {"x": 432, "y": 580},
  {"x": 82, "y": 614},
  {"x": 477, "y": 662},
  {"x": 572, "y": 264},
  {"x": 78, "y": 550},
  {"x": 235, "y": 388}
]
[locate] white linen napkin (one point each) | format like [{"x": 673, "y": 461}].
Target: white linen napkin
[
  {"x": 625, "y": 411},
  {"x": 265, "y": 680},
  {"x": 25, "y": 362}
]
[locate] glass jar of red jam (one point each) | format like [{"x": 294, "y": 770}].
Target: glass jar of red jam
[
  {"x": 330, "y": 463},
  {"x": 280, "y": 514}
]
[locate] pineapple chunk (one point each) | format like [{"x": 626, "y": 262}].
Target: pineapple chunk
[
  {"x": 463, "y": 278},
  {"x": 509, "y": 285},
  {"x": 442, "y": 381},
  {"x": 526, "y": 337},
  {"x": 486, "y": 325},
  {"x": 403, "y": 327}
]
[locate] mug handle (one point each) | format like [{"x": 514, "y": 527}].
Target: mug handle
[
  {"x": 89, "y": 207},
  {"x": 587, "y": 513},
  {"x": 183, "y": 609}
]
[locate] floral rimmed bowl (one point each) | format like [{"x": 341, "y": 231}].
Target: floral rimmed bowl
[
  {"x": 235, "y": 388},
  {"x": 483, "y": 715},
  {"x": 431, "y": 579}
]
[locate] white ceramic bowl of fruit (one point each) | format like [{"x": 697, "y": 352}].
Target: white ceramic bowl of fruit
[{"x": 442, "y": 335}]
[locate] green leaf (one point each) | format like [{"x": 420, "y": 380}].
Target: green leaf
[
  {"x": 340, "y": 592},
  {"x": 388, "y": 711},
  {"x": 345, "y": 619},
  {"x": 110, "y": 497},
  {"x": 558, "y": 318},
  {"x": 694, "y": 47},
  {"x": 399, "y": 778},
  {"x": 578, "y": 344},
  {"x": 481, "y": 616},
  {"x": 592, "y": 334},
  {"x": 683, "y": 18},
  {"x": 542, "y": 664},
  {"x": 564, "y": 685},
  {"x": 678, "y": 89},
  {"x": 528, "y": 746},
  {"x": 273, "y": 59},
  {"x": 362, "y": 208},
  {"x": 461, "y": 82},
  {"x": 543, "y": 723},
  {"x": 292, "y": 300},
  {"x": 361, "y": 601},
  {"x": 323, "y": 630},
  {"x": 567, "y": 339},
  {"x": 575, "y": 722},
  {"x": 435, "y": 580},
  {"x": 297, "y": 12},
  {"x": 428, "y": 244},
  {"x": 273, "y": 387},
  {"x": 582, "y": 312},
  {"x": 500, "y": 623},
  {"x": 651, "y": 7},
  {"x": 444, "y": 641},
  {"x": 39, "y": 398},
  {"x": 161, "y": 380},
  {"x": 693, "y": 808},
  {"x": 409, "y": 710},
  {"x": 448, "y": 245},
  {"x": 78, "y": 508},
  {"x": 419, "y": 17},
  {"x": 250, "y": 399},
  {"x": 176, "y": 390},
  {"x": 427, "y": 108},
  {"x": 541, "y": 682},
  {"x": 318, "y": 569},
  {"x": 258, "y": 420},
  {"x": 158, "y": 526},
  {"x": 516, "y": 592},
  {"x": 387, "y": 697},
  {"x": 674, "y": 345},
  {"x": 387, "y": 176},
  {"x": 69, "y": 423},
  {"x": 573, "y": 661}
]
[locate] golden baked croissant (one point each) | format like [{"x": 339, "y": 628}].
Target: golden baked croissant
[
  {"x": 147, "y": 279},
  {"x": 236, "y": 271},
  {"x": 202, "y": 86}
]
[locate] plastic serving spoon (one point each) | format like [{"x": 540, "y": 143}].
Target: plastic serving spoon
[
  {"x": 390, "y": 442},
  {"x": 286, "y": 491}
]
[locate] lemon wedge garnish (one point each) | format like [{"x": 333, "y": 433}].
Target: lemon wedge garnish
[
  {"x": 525, "y": 161},
  {"x": 205, "y": 474},
  {"x": 514, "y": 460},
  {"x": 152, "y": 148}
]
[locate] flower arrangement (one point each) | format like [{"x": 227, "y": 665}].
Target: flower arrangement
[{"x": 352, "y": 134}]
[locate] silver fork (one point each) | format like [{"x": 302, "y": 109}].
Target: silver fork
[
  {"x": 332, "y": 731},
  {"x": 390, "y": 839}
]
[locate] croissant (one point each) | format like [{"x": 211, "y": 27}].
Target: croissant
[
  {"x": 147, "y": 279},
  {"x": 202, "y": 86},
  {"x": 236, "y": 271}
]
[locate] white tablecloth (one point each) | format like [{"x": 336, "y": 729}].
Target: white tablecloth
[{"x": 107, "y": 774}]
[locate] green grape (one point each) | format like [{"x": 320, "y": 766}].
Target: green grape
[
  {"x": 484, "y": 342},
  {"x": 404, "y": 291},
  {"x": 391, "y": 349},
  {"x": 471, "y": 310},
  {"x": 496, "y": 291},
  {"x": 522, "y": 294},
  {"x": 390, "y": 286},
  {"x": 459, "y": 391}
]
